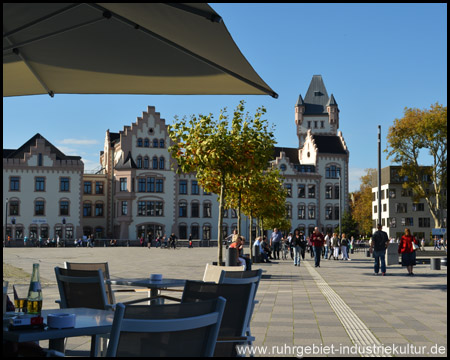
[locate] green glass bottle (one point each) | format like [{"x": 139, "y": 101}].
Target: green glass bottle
[{"x": 34, "y": 300}]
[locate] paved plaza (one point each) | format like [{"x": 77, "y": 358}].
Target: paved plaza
[{"x": 339, "y": 309}]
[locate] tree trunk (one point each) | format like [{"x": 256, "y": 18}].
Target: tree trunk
[
  {"x": 239, "y": 214},
  {"x": 250, "y": 239},
  {"x": 219, "y": 231}
]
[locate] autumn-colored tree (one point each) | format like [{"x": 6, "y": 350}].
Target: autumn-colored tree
[
  {"x": 361, "y": 207},
  {"x": 218, "y": 151},
  {"x": 418, "y": 131}
]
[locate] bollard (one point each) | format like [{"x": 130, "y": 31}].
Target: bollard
[
  {"x": 435, "y": 264},
  {"x": 231, "y": 257},
  {"x": 256, "y": 254}
]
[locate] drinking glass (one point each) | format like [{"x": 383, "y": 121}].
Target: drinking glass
[
  {"x": 5, "y": 295},
  {"x": 20, "y": 297}
]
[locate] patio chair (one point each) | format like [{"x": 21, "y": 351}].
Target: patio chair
[
  {"x": 84, "y": 288},
  {"x": 175, "y": 330},
  {"x": 237, "y": 311},
  {"x": 95, "y": 266},
  {"x": 244, "y": 277},
  {"x": 103, "y": 266},
  {"x": 214, "y": 272}
]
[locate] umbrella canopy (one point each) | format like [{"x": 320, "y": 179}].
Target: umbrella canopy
[{"x": 117, "y": 48}]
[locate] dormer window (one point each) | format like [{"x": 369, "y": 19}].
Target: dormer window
[{"x": 317, "y": 93}]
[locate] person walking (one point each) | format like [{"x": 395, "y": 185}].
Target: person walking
[
  {"x": 275, "y": 243},
  {"x": 303, "y": 244},
  {"x": 406, "y": 249},
  {"x": 380, "y": 242},
  {"x": 317, "y": 241},
  {"x": 327, "y": 244},
  {"x": 344, "y": 247},
  {"x": 335, "y": 244},
  {"x": 296, "y": 244}
]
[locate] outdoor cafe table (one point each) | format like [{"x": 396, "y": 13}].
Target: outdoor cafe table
[
  {"x": 153, "y": 285},
  {"x": 88, "y": 322}
]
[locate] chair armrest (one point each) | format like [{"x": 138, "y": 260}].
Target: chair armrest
[{"x": 226, "y": 339}]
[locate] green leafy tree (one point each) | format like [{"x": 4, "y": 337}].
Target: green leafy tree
[
  {"x": 218, "y": 152},
  {"x": 361, "y": 207},
  {"x": 418, "y": 131}
]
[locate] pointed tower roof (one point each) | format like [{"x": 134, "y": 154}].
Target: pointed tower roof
[
  {"x": 316, "y": 98},
  {"x": 332, "y": 101},
  {"x": 127, "y": 163},
  {"x": 300, "y": 101}
]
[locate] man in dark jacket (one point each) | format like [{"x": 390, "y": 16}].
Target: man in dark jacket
[
  {"x": 380, "y": 242},
  {"x": 317, "y": 241}
]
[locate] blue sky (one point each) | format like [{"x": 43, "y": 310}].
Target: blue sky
[{"x": 376, "y": 59}]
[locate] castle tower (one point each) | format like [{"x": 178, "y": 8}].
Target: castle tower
[{"x": 318, "y": 112}]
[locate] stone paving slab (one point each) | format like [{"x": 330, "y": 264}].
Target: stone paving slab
[{"x": 292, "y": 309}]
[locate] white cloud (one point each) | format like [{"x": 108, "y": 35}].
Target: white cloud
[{"x": 79, "y": 142}]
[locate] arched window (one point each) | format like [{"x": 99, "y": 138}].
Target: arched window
[
  {"x": 161, "y": 143},
  {"x": 155, "y": 143},
  {"x": 139, "y": 142},
  {"x": 146, "y": 162},
  {"x": 155, "y": 162},
  {"x": 161, "y": 163},
  {"x": 146, "y": 142},
  {"x": 139, "y": 162}
]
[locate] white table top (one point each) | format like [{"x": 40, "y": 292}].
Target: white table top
[
  {"x": 151, "y": 284},
  {"x": 88, "y": 322}
]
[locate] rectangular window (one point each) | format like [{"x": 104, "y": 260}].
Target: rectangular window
[
  {"x": 336, "y": 191},
  {"x": 288, "y": 188},
  {"x": 64, "y": 208},
  {"x": 182, "y": 210},
  {"x": 418, "y": 207},
  {"x": 64, "y": 184},
  {"x": 195, "y": 210},
  {"x": 13, "y": 207},
  {"x": 40, "y": 184},
  {"x": 301, "y": 212},
  {"x": 328, "y": 191},
  {"x": 159, "y": 208},
  {"x": 311, "y": 212},
  {"x": 393, "y": 222},
  {"x": 14, "y": 183},
  {"x": 141, "y": 208},
  {"x": 301, "y": 190},
  {"x": 392, "y": 193},
  {"x": 401, "y": 208},
  {"x": 150, "y": 184},
  {"x": 98, "y": 209},
  {"x": 207, "y": 210},
  {"x": 99, "y": 187},
  {"x": 88, "y": 187},
  {"x": 141, "y": 185},
  {"x": 183, "y": 187},
  {"x": 39, "y": 208},
  {"x": 195, "y": 190},
  {"x": 424, "y": 222},
  {"x": 124, "y": 207},
  {"x": 159, "y": 185},
  {"x": 311, "y": 191},
  {"x": 336, "y": 212},
  {"x": 328, "y": 213},
  {"x": 123, "y": 184},
  {"x": 87, "y": 210},
  {"x": 150, "y": 208}
]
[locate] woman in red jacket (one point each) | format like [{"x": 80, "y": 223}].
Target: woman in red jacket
[{"x": 405, "y": 247}]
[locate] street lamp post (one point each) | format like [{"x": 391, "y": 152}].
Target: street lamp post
[
  {"x": 6, "y": 221},
  {"x": 340, "y": 206}
]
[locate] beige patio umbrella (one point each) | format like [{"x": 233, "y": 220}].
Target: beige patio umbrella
[{"x": 118, "y": 48}]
